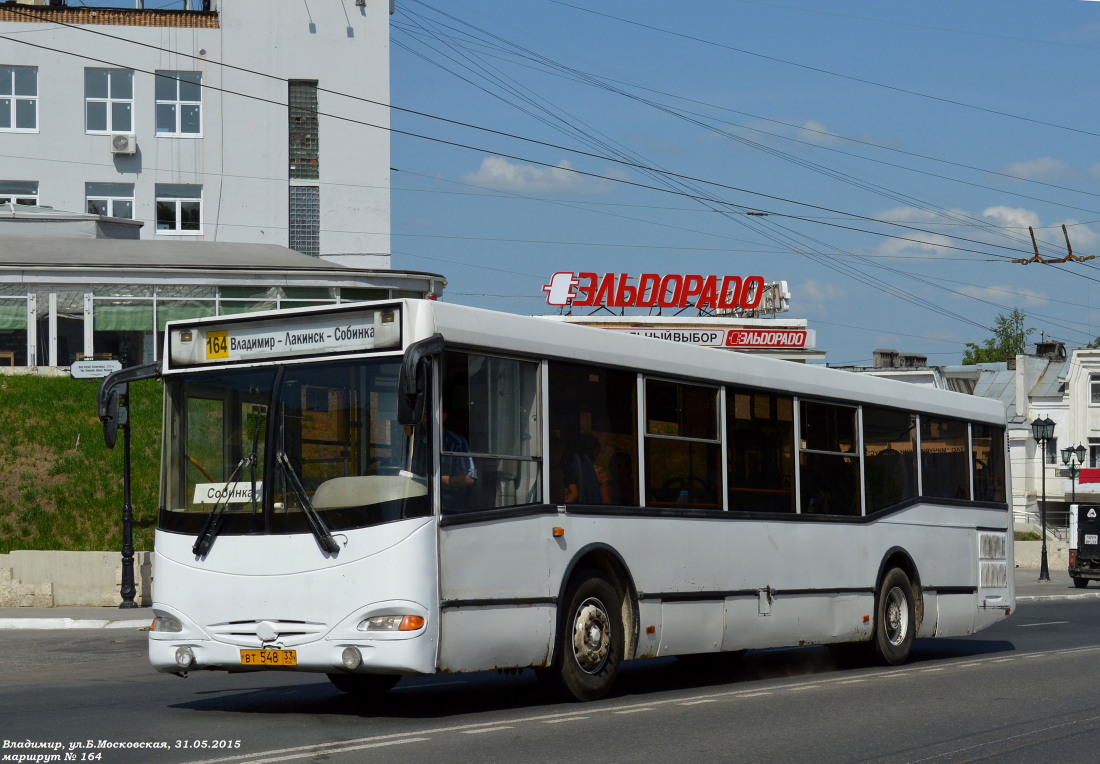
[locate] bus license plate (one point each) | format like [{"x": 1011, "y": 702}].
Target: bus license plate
[
  {"x": 269, "y": 657},
  {"x": 1091, "y": 538}
]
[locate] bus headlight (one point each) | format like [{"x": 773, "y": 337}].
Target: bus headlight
[
  {"x": 392, "y": 623},
  {"x": 166, "y": 623}
]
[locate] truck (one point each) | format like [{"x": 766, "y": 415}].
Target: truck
[{"x": 1084, "y": 544}]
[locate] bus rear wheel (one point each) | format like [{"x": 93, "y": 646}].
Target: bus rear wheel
[
  {"x": 1080, "y": 583},
  {"x": 895, "y": 619},
  {"x": 590, "y": 639},
  {"x": 363, "y": 685}
]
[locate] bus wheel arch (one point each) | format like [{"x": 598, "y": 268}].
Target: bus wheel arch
[
  {"x": 596, "y": 602},
  {"x": 899, "y": 608}
]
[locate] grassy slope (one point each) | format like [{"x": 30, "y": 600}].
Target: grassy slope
[{"x": 60, "y": 487}]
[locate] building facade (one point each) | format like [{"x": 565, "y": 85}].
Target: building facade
[{"x": 233, "y": 121}]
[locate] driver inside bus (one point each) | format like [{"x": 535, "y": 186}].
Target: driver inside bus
[{"x": 457, "y": 473}]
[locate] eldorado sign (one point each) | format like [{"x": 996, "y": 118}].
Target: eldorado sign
[{"x": 614, "y": 290}]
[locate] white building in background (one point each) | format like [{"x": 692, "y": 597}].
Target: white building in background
[
  {"x": 243, "y": 143},
  {"x": 180, "y": 119}
]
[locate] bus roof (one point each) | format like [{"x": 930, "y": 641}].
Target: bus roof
[{"x": 533, "y": 336}]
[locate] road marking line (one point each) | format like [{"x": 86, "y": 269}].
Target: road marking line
[
  {"x": 698, "y": 702},
  {"x": 567, "y": 719},
  {"x": 635, "y": 710},
  {"x": 1045, "y": 623},
  {"x": 330, "y": 750},
  {"x": 488, "y": 729}
]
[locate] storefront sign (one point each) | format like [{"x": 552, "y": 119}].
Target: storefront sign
[
  {"x": 727, "y": 338},
  {"x": 615, "y": 290}
]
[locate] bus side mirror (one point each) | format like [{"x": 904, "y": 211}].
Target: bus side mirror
[{"x": 412, "y": 383}]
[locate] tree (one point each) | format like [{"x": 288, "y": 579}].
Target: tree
[{"x": 1009, "y": 339}]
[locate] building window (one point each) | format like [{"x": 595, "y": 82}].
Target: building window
[
  {"x": 113, "y": 200},
  {"x": 304, "y": 148},
  {"x": 305, "y": 220},
  {"x": 179, "y": 103},
  {"x": 19, "y": 98},
  {"x": 109, "y": 100},
  {"x": 179, "y": 208},
  {"x": 19, "y": 192},
  {"x": 1094, "y": 391}
]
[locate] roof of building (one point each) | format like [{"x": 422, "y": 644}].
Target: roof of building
[{"x": 115, "y": 254}]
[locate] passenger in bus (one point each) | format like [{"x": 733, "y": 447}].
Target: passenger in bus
[
  {"x": 585, "y": 483},
  {"x": 457, "y": 473}
]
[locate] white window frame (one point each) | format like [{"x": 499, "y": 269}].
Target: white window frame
[
  {"x": 177, "y": 103},
  {"x": 9, "y": 192},
  {"x": 110, "y": 102},
  {"x": 169, "y": 194},
  {"x": 7, "y": 83},
  {"x": 1094, "y": 390},
  {"x": 110, "y": 199}
]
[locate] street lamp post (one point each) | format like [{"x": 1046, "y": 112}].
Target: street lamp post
[
  {"x": 1071, "y": 457},
  {"x": 1043, "y": 430}
]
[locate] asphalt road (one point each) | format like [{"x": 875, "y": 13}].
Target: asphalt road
[{"x": 1020, "y": 691}]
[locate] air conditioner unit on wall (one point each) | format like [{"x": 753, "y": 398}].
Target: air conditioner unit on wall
[{"x": 123, "y": 144}]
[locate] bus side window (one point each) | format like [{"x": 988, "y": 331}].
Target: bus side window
[
  {"x": 681, "y": 445},
  {"x": 760, "y": 454},
  {"x": 828, "y": 460},
  {"x": 490, "y": 441},
  {"x": 593, "y": 435}
]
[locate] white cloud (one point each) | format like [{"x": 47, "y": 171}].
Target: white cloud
[
  {"x": 818, "y": 291},
  {"x": 1016, "y": 217},
  {"x": 1004, "y": 293},
  {"x": 1044, "y": 168},
  {"x": 813, "y": 131},
  {"x": 499, "y": 173},
  {"x": 1080, "y": 236}
]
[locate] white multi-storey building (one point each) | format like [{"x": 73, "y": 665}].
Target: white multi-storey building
[
  {"x": 220, "y": 133},
  {"x": 258, "y": 121}
]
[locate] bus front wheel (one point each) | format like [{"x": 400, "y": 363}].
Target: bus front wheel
[
  {"x": 895, "y": 619},
  {"x": 363, "y": 685},
  {"x": 590, "y": 639}
]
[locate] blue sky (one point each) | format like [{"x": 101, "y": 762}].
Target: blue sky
[{"x": 900, "y": 149}]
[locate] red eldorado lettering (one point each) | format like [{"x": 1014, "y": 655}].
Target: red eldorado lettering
[
  {"x": 652, "y": 282},
  {"x": 614, "y": 290},
  {"x": 586, "y": 292}
]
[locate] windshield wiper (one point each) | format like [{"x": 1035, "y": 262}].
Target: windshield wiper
[
  {"x": 316, "y": 524},
  {"x": 213, "y": 524}
]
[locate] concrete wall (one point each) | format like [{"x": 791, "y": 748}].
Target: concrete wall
[
  {"x": 58, "y": 579},
  {"x": 1029, "y": 553}
]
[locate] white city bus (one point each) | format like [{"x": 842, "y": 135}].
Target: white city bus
[{"x": 379, "y": 490}]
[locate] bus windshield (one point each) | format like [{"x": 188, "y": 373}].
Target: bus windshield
[{"x": 274, "y": 451}]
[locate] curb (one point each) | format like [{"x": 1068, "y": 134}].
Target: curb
[
  {"x": 1048, "y": 597},
  {"x": 70, "y": 623}
]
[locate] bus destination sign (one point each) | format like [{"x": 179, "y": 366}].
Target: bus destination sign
[{"x": 284, "y": 337}]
